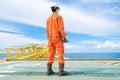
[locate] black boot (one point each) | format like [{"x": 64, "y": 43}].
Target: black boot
[
  {"x": 49, "y": 69},
  {"x": 61, "y": 70}
]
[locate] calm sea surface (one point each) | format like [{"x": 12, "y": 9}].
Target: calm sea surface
[
  {"x": 92, "y": 55},
  {"x": 85, "y": 55}
]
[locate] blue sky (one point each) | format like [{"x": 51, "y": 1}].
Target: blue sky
[{"x": 91, "y": 25}]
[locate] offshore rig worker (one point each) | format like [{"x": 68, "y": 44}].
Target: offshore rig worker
[{"x": 56, "y": 38}]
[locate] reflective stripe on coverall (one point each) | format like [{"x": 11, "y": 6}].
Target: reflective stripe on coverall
[{"x": 55, "y": 27}]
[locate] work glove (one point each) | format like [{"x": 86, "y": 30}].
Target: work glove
[{"x": 65, "y": 40}]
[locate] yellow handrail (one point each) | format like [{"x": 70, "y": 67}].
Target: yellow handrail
[{"x": 28, "y": 52}]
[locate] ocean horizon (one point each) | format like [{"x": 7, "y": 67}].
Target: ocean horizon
[
  {"x": 85, "y": 55},
  {"x": 92, "y": 55}
]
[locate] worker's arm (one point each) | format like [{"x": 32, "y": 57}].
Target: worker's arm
[
  {"x": 61, "y": 29},
  {"x": 61, "y": 26},
  {"x": 47, "y": 28}
]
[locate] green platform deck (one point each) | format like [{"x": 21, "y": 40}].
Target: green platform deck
[{"x": 78, "y": 70}]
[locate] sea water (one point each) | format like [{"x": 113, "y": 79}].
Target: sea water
[
  {"x": 85, "y": 55},
  {"x": 2, "y": 56},
  {"x": 92, "y": 55}
]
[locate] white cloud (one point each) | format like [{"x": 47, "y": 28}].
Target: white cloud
[
  {"x": 93, "y": 46},
  {"x": 74, "y": 48},
  {"x": 35, "y": 12},
  {"x": 68, "y": 46},
  {"x": 96, "y": 1},
  {"x": 98, "y": 46},
  {"x": 8, "y": 28},
  {"x": 80, "y": 22},
  {"x": 89, "y": 42},
  {"x": 108, "y": 45},
  {"x": 10, "y": 40}
]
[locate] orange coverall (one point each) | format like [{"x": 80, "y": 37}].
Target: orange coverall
[{"x": 55, "y": 27}]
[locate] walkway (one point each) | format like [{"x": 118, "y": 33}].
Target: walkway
[{"x": 79, "y": 70}]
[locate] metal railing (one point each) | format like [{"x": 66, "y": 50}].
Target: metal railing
[{"x": 29, "y": 52}]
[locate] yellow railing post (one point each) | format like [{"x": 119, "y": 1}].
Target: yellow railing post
[{"x": 7, "y": 54}]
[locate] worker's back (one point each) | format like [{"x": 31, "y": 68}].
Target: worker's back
[{"x": 52, "y": 26}]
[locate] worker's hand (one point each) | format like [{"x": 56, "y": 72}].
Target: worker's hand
[{"x": 65, "y": 40}]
